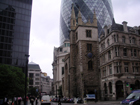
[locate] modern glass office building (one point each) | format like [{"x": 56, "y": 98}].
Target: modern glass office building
[
  {"x": 15, "y": 17},
  {"x": 103, "y": 9}
]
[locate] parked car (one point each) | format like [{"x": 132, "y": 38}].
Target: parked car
[
  {"x": 45, "y": 100},
  {"x": 132, "y": 99}
]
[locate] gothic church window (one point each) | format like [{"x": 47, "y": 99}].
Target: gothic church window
[
  {"x": 89, "y": 47},
  {"x": 88, "y": 33}
]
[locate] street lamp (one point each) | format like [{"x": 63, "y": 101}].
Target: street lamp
[{"x": 26, "y": 70}]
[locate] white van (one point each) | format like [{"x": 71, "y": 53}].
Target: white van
[{"x": 45, "y": 100}]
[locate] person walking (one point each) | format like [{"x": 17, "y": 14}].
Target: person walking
[
  {"x": 36, "y": 101},
  {"x": 59, "y": 102},
  {"x": 27, "y": 98},
  {"x": 32, "y": 99}
]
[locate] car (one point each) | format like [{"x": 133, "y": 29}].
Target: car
[
  {"x": 132, "y": 99},
  {"x": 45, "y": 100}
]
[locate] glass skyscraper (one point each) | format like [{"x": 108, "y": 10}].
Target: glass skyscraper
[
  {"x": 15, "y": 17},
  {"x": 103, "y": 9}
]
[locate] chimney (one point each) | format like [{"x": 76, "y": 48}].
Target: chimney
[{"x": 125, "y": 26}]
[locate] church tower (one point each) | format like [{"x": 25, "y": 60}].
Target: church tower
[{"x": 84, "y": 54}]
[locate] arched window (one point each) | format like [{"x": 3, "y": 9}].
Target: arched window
[
  {"x": 90, "y": 65},
  {"x": 123, "y": 39},
  {"x": 110, "y": 87}
]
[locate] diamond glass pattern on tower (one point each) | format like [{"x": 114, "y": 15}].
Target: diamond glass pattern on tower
[{"x": 103, "y": 9}]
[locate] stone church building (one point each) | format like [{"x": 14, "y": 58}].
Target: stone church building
[
  {"x": 107, "y": 66},
  {"x": 82, "y": 64}
]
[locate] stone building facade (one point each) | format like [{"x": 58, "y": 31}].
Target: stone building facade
[
  {"x": 108, "y": 66},
  {"x": 119, "y": 49},
  {"x": 81, "y": 65},
  {"x": 58, "y": 65}
]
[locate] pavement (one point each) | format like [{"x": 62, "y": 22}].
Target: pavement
[{"x": 88, "y": 103}]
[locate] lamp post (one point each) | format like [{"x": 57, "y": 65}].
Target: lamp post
[{"x": 26, "y": 70}]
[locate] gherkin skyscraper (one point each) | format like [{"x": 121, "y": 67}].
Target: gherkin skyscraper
[{"x": 103, "y": 9}]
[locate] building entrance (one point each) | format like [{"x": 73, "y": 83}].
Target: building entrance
[{"x": 119, "y": 89}]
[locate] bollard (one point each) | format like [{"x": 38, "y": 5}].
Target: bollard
[
  {"x": 75, "y": 101},
  {"x": 85, "y": 101}
]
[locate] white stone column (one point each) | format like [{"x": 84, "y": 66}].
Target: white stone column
[{"x": 113, "y": 90}]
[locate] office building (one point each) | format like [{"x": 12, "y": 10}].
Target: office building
[
  {"x": 119, "y": 48},
  {"x": 15, "y": 18},
  {"x": 103, "y": 9},
  {"x": 34, "y": 75}
]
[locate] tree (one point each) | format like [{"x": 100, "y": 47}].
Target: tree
[{"x": 12, "y": 81}]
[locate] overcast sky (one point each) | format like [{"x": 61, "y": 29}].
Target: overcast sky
[{"x": 45, "y": 22}]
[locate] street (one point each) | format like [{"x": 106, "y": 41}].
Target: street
[{"x": 88, "y": 103}]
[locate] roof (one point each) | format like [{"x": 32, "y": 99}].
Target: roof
[{"x": 33, "y": 65}]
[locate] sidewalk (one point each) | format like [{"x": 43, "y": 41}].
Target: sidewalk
[{"x": 104, "y": 102}]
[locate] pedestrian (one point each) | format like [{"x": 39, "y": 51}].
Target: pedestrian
[
  {"x": 15, "y": 101},
  {"x": 36, "y": 101},
  {"x": 19, "y": 100},
  {"x": 27, "y": 98},
  {"x": 32, "y": 99},
  {"x": 59, "y": 102}
]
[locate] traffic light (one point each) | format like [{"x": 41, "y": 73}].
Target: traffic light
[{"x": 127, "y": 84}]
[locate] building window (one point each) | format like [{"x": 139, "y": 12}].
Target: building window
[
  {"x": 61, "y": 49},
  {"x": 88, "y": 33},
  {"x": 104, "y": 73},
  {"x": 116, "y": 51},
  {"x": 109, "y": 54},
  {"x": 102, "y": 46},
  {"x": 136, "y": 69},
  {"x": 135, "y": 52},
  {"x": 110, "y": 69},
  {"x": 30, "y": 81},
  {"x": 76, "y": 35},
  {"x": 108, "y": 43},
  {"x": 115, "y": 38},
  {"x": 126, "y": 67},
  {"x": 37, "y": 74},
  {"x": 37, "y": 79},
  {"x": 130, "y": 40},
  {"x": 67, "y": 45},
  {"x": 131, "y": 52},
  {"x": 125, "y": 52},
  {"x": 118, "y": 70},
  {"x": 62, "y": 70},
  {"x": 36, "y": 83},
  {"x": 89, "y": 47},
  {"x": 90, "y": 65},
  {"x": 133, "y": 40},
  {"x": 123, "y": 39},
  {"x": 110, "y": 87}
]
